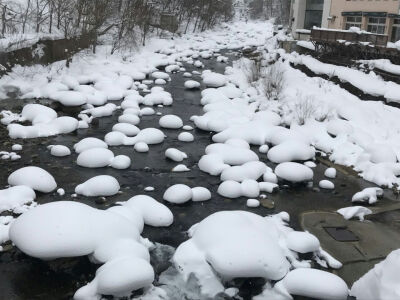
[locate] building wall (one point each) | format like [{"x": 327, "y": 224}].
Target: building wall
[
  {"x": 338, "y": 6},
  {"x": 298, "y": 9}
]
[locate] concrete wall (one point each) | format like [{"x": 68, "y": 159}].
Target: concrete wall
[{"x": 43, "y": 52}]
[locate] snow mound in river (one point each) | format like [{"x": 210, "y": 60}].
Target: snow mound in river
[
  {"x": 111, "y": 237},
  {"x": 181, "y": 193},
  {"x": 15, "y": 196},
  {"x": 102, "y": 185},
  {"x": 240, "y": 244},
  {"x": 294, "y": 172},
  {"x": 33, "y": 177},
  {"x": 102, "y": 157}
]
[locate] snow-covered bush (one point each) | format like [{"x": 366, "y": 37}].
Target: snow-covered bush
[
  {"x": 273, "y": 81},
  {"x": 251, "y": 69}
]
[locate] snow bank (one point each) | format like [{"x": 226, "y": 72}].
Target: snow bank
[{"x": 381, "y": 281}]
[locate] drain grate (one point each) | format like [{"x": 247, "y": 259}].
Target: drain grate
[{"x": 341, "y": 234}]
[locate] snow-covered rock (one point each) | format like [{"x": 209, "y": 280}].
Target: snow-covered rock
[
  {"x": 294, "y": 172},
  {"x": 141, "y": 147},
  {"x": 171, "y": 122},
  {"x": 369, "y": 195},
  {"x": 250, "y": 170},
  {"x": 59, "y": 150},
  {"x": 126, "y": 128},
  {"x": 302, "y": 242},
  {"x": 354, "y": 211},
  {"x": 36, "y": 178},
  {"x": 186, "y": 137},
  {"x": 312, "y": 283},
  {"x": 178, "y": 194},
  {"x": 291, "y": 151},
  {"x": 180, "y": 168},
  {"x": 95, "y": 158},
  {"x": 61, "y": 125},
  {"x": 200, "y": 194},
  {"x": 175, "y": 154},
  {"x": 231, "y": 244},
  {"x": 233, "y": 189},
  {"x": 16, "y": 196},
  {"x": 102, "y": 185},
  {"x": 252, "y": 203},
  {"x": 89, "y": 143},
  {"x": 214, "y": 80},
  {"x": 330, "y": 173},
  {"x": 192, "y": 84},
  {"x": 111, "y": 237},
  {"x": 150, "y": 136},
  {"x": 326, "y": 184}
]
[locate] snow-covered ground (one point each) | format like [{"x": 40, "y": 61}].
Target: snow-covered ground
[{"x": 291, "y": 125}]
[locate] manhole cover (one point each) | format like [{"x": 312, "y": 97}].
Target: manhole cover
[{"x": 341, "y": 234}]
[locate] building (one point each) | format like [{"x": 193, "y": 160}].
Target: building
[{"x": 376, "y": 16}]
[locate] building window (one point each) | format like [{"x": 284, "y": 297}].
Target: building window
[
  {"x": 313, "y": 16},
  {"x": 396, "y": 30},
  {"x": 376, "y": 25},
  {"x": 353, "y": 22}
]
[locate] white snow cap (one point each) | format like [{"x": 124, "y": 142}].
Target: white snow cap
[
  {"x": 16, "y": 196},
  {"x": 59, "y": 150},
  {"x": 232, "y": 244},
  {"x": 89, "y": 143},
  {"x": 186, "y": 137},
  {"x": 294, "y": 172},
  {"x": 312, "y": 283},
  {"x": 326, "y": 184},
  {"x": 354, "y": 211},
  {"x": 191, "y": 84},
  {"x": 102, "y": 185},
  {"x": 171, "y": 122},
  {"x": 181, "y": 193},
  {"x": 369, "y": 195},
  {"x": 34, "y": 177},
  {"x": 111, "y": 237},
  {"x": 330, "y": 173},
  {"x": 175, "y": 154}
]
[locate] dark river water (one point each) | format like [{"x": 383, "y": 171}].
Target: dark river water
[{"x": 22, "y": 277}]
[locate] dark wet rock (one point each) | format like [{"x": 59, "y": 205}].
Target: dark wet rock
[{"x": 267, "y": 203}]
